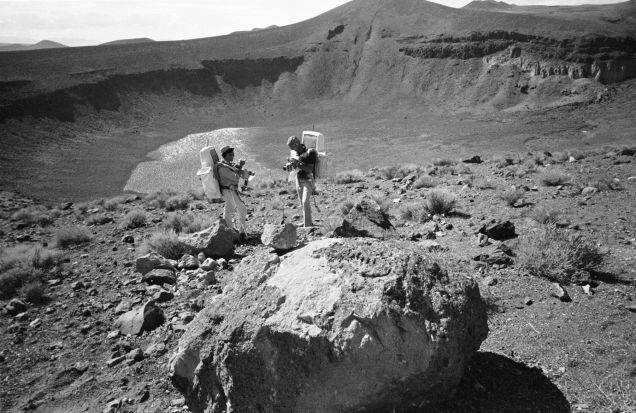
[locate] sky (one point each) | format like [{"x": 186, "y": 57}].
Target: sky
[{"x": 87, "y": 22}]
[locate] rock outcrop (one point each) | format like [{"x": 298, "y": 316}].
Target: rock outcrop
[
  {"x": 338, "y": 325},
  {"x": 365, "y": 219},
  {"x": 216, "y": 241},
  {"x": 279, "y": 237}
]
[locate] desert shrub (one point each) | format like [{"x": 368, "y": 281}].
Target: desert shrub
[
  {"x": 503, "y": 161},
  {"x": 413, "y": 212},
  {"x": 167, "y": 244},
  {"x": 177, "y": 202},
  {"x": 443, "y": 162},
  {"x": 399, "y": 172},
  {"x": 345, "y": 207},
  {"x": 348, "y": 177},
  {"x": 70, "y": 236},
  {"x": 82, "y": 207},
  {"x": 526, "y": 168},
  {"x": 196, "y": 194},
  {"x": 424, "y": 181},
  {"x": 381, "y": 200},
  {"x": 511, "y": 197},
  {"x": 483, "y": 184},
  {"x": 606, "y": 184},
  {"x": 33, "y": 292},
  {"x": 134, "y": 219},
  {"x": 159, "y": 199},
  {"x": 444, "y": 170},
  {"x": 560, "y": 157},
  {"x": 557, "y": 256},
  {"x": 554, "y": 178},
  {"x": 113, "y": 204},
  {"x": 29, "y": 257},
  {"x": 330, "y": 224},
  {"x": 33, "y": 215},
  {"x": 543, "y": 216},
  {"x": 98, "y": 219},
  {"x": 268, "y": 182},
  {"x": 440, "y": 202},
  {"x": 11, "y": 280},
  {"x": 187, "y": 223}
]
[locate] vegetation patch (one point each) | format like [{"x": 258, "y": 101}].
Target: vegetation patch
[
  {"x": 554, "y": 178},
  {"x": 558, "y": 256},
  {"x": 134, "y": 219},
  {"x": 34, "y": 216},
  {"x": 98, "y": 219},
  {"x": 440, "y": 202},
  {"x": 167, "y": 244},
  {"x": 348, "y": 177},
  {"x": 513, "y": 197},
  {"x": 187, "y": 223},
  {"x": 72, "y": 236}
]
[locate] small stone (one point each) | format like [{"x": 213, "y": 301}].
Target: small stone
[
  {"x": 77, "y": 285},
  {"x": 483, "y": 240},
  {"x": 177, "y": 402},
  {"x": 631, "y": 308},
  {"x": 155, "y": 350},
  {"x": 280, "y": 237},
  {"x": 123, "y": 306},
  {"x": 587, "y": 289},
  {"x": 22, "y": 316},
  {"x": 528, "y": 301},
  {"x": 160, "y": 277},
  {"x": 35, "y": 323},
  {"x": 115, "y": 360},
  {"x": 201, "y": 257},
  {"x": 560, "y": 292},
  {"x": 589, "y": 190},
  {"x": 128, "y": 239},
  {"x": 209, "y": 264},
  {"x": 188, "y": 262},
  {"x": 163, "y": 296},
  {"x": 490, "y": 281},
  {"x": 85, "y": 328},
  {"x": 15, "y": 307},
  {"x": 135, "y": 355},
  {"x": 112, "y": 335}
]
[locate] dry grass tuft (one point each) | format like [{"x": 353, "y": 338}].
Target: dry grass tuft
[
  {"x": 512, "y": 196},
  {"x": 167, "y": 244},
  {"x": 424, "y": 181},
  {"x": 187, "y": 223},
  {"x": 557, "y": 256},
  {"x": 348, "y": 177},
  {"x": 134, "y": 219},
  {"x": 345, "y": 207},
  {"x": 98, "y": 219},
  {"x": 34, "y": 215},
  {"x": 22, "y": 264},
  {"x": 382, "y": 201},
  {"x": 554, "y": 178},
  {"x": 440, "y": 202},
  {"x": 543, "y": 216},
  {"x": 71, "y": 236}
]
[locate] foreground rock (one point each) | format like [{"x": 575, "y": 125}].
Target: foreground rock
[
  {"x": 499, "y": 231},
  {"x": 152, "y": 261},
  {"x": 216, "y": 241},
  {"x": 365, "y": 220},
  {"x": 339, "y": 325},
  {"x": 145, "y": 318},
  {"x": 279, "y": 237}
]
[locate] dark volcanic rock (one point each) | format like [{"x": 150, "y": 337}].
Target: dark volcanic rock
[
  {"x": 151, "y": 262},
  {"x": 339, "y": 325},
  {"x": 499, "y": 231},
  {"x": 365, "y": 220},
  {"x": 160, "y": 277}
]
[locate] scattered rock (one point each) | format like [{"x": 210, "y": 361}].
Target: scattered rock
[
  {"x": 528, "y": 301},
  {"x": 589, "y": 190},
  {"x": 135, "y": 355},
  {"x": 499, "y": 231},
  {"x": 431, "y": 246},
  {"x": 123, "y": 306},
  {"x": 77, "y": 285},
  {"x": 152, "y": 261},
  {"x": 490, "y": 281},
  {"x": 188, "y": 262},
  {"x": 216, "y": 241},
  {"x": 371, "y": 317},
  {"x": 35, "y": 323},
  {"x": 22, "y": 316},
  {"x": 112, "y": 335},
  {"x": 560, "y": 292},
  {"x": 155, "y": 350},
  {"x": 475, "y": 159},
  {"x": 163, "y": 296},
  {"x": 365, "y": 219},
  {"x": 280, "y": 237},
  {"x": 483, "y": 240},
  {"x": 128, "y": 239},
  {"x": 145, "y": 318},
  {"x": 209, "y": 265},
  {"x": 15, "y": 307},
  {"x": 115, "y": 360},
  {"x": 200, "y": 257},
  {"x": 587, "y": 289}
]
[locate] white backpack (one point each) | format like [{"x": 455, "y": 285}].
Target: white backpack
[{"x": 209, "y": 173}]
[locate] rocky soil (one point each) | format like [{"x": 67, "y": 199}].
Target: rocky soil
[{"x": 566, "y": 347}]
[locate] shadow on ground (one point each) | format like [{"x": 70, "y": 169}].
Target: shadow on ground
[{"x": 495, "y": 383}]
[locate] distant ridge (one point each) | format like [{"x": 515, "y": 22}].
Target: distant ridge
[
  {"x": 491, "y": 5},
  {"x": 44, "y": 44},
  {"x": 129, "y": 41}
]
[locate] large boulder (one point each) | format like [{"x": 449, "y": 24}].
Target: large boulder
[
  {"x": 216, "y": 241},
  {"x": 152, "y": 261},
  {"x": 279, "y": 237},
  {"x": 365, "y": 219},
  {"x": 144, "y": 318},
  {"x": 160, "y": 277},
  {"x": 338, "y": 325},
  {"x": 499, "y": 230}
]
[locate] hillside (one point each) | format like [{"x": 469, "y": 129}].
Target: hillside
[
  {"x": 44, "y": 44},
  {"x": 128, "y": 41}
]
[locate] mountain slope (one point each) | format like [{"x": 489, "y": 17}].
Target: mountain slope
[
  {"x": 44, "y": 44},
  {"x": 128, "y": 41}
]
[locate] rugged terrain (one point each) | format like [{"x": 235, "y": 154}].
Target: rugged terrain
[{"x": 542, "y": 353}]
